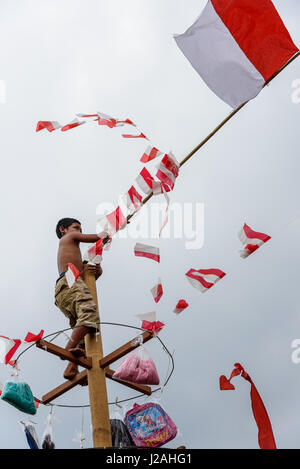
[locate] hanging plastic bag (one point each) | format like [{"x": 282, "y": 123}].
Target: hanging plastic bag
[
  {"x": 47, "y": 438},
  {"x": 31, "y": 435},
  {"x": 138, "y": 367},
  {"x": 20, "y": 396},
  {"x": 149, "y": 425}
]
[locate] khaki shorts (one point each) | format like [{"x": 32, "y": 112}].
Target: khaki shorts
[{"x": 76, "y": 303}]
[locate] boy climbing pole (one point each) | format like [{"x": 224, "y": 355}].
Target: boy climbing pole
[{"x": 76, "y": 303}]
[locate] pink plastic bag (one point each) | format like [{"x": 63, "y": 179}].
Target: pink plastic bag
[{"x": 138, "y": 368}]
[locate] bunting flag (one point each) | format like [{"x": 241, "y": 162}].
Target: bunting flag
[
  {"x": 74, "y": 123},
  {"x": 157, "y": 291},
  {"x": 111, "y": 223},
  {"x": 266, "y": 438},
  {"x": 30, "y": 337},
  {"x": 72, "y": 274},
  {"x": 168, "y": 170},
  {"x": 149, "y": 322},
  {"x": 8, "y": 347},
  {"x": 144, "y": 250},
  {"x": 252, "y": 240},
  {"x": 132, "y": 200},
  {"x": 94, "y": 253},
  {"x": 141, "y": 135},
  {"x": 149, "y": 154},
  {"x": 181, "y": 305},
  {"x": 204, "y": 279},
  {"x": 236, "y": 46},
  {"x": 145, "y": 181},
  {"x": 48, "y": 125},
  {"x": 104, "y": 119}
]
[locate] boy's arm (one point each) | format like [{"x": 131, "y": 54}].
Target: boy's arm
[{"x": 83, "y": 238}]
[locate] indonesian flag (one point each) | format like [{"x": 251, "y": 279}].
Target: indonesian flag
[
  {"x": 144, "y": 250},
  {"x": 8, "y": 348},
  {"x": 111, "y": 223},
  {"x": 133, "y": 200},
  {"x": 94, "y": 253},
  {"x": 181, "y": 305},
  {"x": 236, "y": 46},
  {"x": 104, "y": 119},
  {"x": 48, "y": 125},
  {"x": 74, "y": 123},
  {"x": 145, "y": 181},
  {"x": 252, "y": 240},
  {"x": 141, "y": 135},
  {"x": 72, "y": 274},
  {"x": 204, "y": 279},
  {"x": 149, "y": 154},
  {"x": 30, "y": 337},
  {"x": 157, "y": 291},
  {"x": 266, "y": 438},
  {"x": 168, "y": 170},
  {"x": 149, "y": 322},
  {"x": 126, "y": 121}
]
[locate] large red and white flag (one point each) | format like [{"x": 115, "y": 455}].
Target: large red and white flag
[
  {"x": 204, "y": 279},
  {"x": 48, "y": 125},
  {"x": 7, "y": 348},
  {"x": 252, "y": 240},
  {"x": 144, "y": 250},
  {"x": 236, "y": 46}
]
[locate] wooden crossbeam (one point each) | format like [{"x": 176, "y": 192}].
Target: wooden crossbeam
[
  {"x": 123, "y": 350},
  {"x": 80, "y": 377},
  {"x": 64, "y": 354}
]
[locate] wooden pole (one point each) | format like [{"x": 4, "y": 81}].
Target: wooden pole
[{"x": 96, "y": 378}]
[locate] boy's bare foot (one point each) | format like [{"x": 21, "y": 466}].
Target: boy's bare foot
[{"x": 71, "y": 371}]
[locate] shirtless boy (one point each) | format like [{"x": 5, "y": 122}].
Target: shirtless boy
[{"x": 76, "y": 302}]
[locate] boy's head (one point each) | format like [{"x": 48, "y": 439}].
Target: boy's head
[{"x": 65, "y": 225}]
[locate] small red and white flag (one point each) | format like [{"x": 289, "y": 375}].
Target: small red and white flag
[
  {"x": 104, "y": 119},
  {"x": 144, "y": 250},
  {"x": 168, "y": 170},
  {"x": 252, "y": 240},
  {"x": 145, "y": 181},
  {"x": 149, "y": 322},
  {"x": 132, "y": 200},
  {"x": 72, "y": 274},
  {"x": 204, "y": 279},
  {"x": 126, "y": 121},
  {"x": 30, "y": 337},
  {"x": 74, "y": 123},
  {"x": 149, "y": 154},
  {"x": 111, "y": 223},
  {"x": 94, "y": 253},
  {"x": 236, "y": 46},
  {"x": 8, "y": 347},
  {"x": 141, "y": 135},
  {"x": 157, "y": 291},
  {"x": 48, "y": 125},
  {"x": 181, "y": 305}
]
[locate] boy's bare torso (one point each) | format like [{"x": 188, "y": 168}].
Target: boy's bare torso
[{"x": 69, "y": 252}]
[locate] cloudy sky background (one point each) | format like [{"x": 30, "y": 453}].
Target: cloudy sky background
[{"x": 61, "y": 58}]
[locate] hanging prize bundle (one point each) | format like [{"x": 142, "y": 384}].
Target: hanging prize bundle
[
  {"x": 149, "y": 425},
  {"x": 138, "y": 367},
  {"x": 20, "y": 396}
]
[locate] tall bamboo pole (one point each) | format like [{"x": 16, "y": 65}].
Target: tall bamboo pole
[{"x": 96, "y": 378}]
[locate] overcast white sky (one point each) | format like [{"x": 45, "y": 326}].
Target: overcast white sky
[{"x": 59, "y": 58}]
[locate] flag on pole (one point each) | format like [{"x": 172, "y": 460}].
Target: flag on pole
[
  {"x": 74, "y": 123},
  {"x": 236, "y": 46}
]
